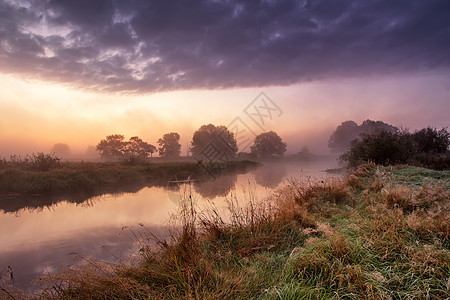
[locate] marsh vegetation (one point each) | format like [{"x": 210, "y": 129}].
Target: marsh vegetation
[{"x": 380, "y": 232}]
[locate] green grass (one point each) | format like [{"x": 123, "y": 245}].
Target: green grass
[
  {"x": 380, "y": 233},
  {"x": 416, "y": 175},
  {"x": 89, "y": 177}
]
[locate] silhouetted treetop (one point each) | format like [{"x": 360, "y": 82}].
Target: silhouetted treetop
[
  {"x": 348, "y": 131},
  {"x": 111, "y": 147},
  {"x": 137, "y": 148},
  {"x": 169, "y": 145},
  {"x": 61, "y": 150},
  {"x": 268, "y": 144},
  {"x": 114, "y": 147},
  {"x": 431, "y": 140},
  {"x": 427, "y": 147},
  {"x": 214, "y": 143}
]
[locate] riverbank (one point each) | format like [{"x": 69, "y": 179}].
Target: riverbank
[
  {"x": 382, "y": 232},
  {"x": 95, "y": 177}
]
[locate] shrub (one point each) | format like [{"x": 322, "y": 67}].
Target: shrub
[
  {"x": 43, "y": 162},
  {"x": 3, "y": 162},
  {"x": 427, "y": 147},
  {"x": 431, "y": 140}
]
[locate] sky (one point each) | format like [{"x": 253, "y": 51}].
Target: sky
[{"x": 74, "y": 72}]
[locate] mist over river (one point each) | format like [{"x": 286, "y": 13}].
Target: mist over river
[{"x": 43, "y": 239}]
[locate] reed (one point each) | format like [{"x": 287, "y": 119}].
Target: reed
[{"x": 386, "y": 237}]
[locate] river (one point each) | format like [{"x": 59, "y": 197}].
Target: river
[{"x": 46, "y": 238}]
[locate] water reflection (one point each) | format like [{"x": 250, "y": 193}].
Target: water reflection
[
  {"x": 217, "y": 187},
  {"x": 40, "y": 234},
  {"x": 16, "y": 202},
  {"x": 270, "y": 177},
  {"x": 107, "y": 243}
]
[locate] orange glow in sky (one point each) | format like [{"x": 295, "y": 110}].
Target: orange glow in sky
[{"x": 35, "y": 115}]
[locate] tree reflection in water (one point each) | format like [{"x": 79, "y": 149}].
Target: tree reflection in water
[
  {"x": 270, "y": 177},
  {"x": 219, "y": 187}
]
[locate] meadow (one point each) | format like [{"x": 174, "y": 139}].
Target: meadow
[
  {"x": 378, "y": 233},
  {"x": 23, "y": 177}
]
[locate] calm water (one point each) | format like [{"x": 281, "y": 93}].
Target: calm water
[{"x": 47, "y": 238}]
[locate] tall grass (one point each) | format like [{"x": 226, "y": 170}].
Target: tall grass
[
  {"x": 41, "y": 175},
  {"x": 371, "y": 235}
]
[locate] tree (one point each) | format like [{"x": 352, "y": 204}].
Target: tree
[
  {"x": 383, "y": 148},
  {"x": 91, "y": 152},
  {"x": 348, "y": 131},
  {"x": 427, "y": 147},
  {"x": 61, "y": 150},
  {"x": 214, "y": 142},
  {"x": 111, "y": 148},
  {"x": 114, "y": 147},
  {"x": 375, "y": 127},
  {"x": 137, "y": 148},
  {"x": 431, "y": 140},
  {"x": 169, "y": 145},
  {"x": 305, "y": 150},
  {"x": 268, "y": 144}
]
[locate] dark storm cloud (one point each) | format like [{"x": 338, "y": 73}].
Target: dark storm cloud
[{"x": 146, "y": 46}]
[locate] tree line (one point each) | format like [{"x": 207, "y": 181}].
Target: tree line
[
  {"x": 115, "y": 147},
  {"x": 374, "y": 141},
  {"x": 205, "y": 140},
  {"x": 386, "y": 144}
]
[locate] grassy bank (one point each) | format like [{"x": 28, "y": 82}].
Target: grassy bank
[
  {"x": 381, "y": 233},
  {"x": 91, "y": 177}
]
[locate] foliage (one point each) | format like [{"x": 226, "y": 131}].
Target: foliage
[
  {"x": 377, "y": 239},
  {"x": 43, "y": 162},
  {"x": 268, "y": 144},
  {"x": 137, "y": 150},
  {"x": 169, "y": 145},
  {"x": 214, "y": 142},
  {"x": 61, "y": 150},
  {"x": 36, "y": 161},
  {"x": 431, "y": 140},
  {"x": 91, "y": 178},
  {"x": 111, "y": 148},
  {"x": 114, "y": 147},
  {"x": 427, "y": 147},
  {"x": 348, "y": 131}
]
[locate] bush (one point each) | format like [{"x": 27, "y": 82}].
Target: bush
[
  {"x": 427, "y": 147},
  {"x": 3, "y": 162},
  {"x": 430, "y": 140},
  {"x": 432, "y": 161},
  {"x": 43, "y": 162},
  {"x": 383, "y": 149}
]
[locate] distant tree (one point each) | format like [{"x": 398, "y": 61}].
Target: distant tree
[
  {"x": 373, "y": 127},
  {"x": 427, "y": 147},
  {"x": 340, "y": 139},
  {"x": 383, "y": 148},
  {"x": 214, "y": 142},
  {"x": 305, "y": 150},
  {"x": 304, "y": 154},
  {"x": 61, "y": 150},
  {"x": 348, "y": 131},
  {"x": 112, "y": 147},
  {"x": 169, "y": 145},
  {"x": 138, "y": 149},
  {"x": 91, "y": 152},
  {"x": 431, "y": 140},
  {"x": 268, "y": 144}
]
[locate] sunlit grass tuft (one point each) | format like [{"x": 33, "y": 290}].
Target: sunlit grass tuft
[{"x": 372, "y": 235}]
